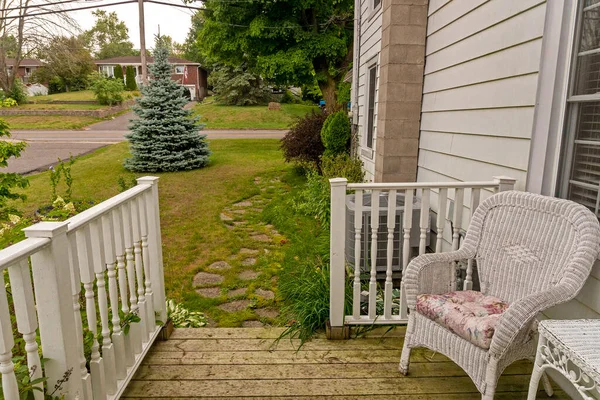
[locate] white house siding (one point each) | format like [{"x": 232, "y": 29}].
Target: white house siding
[{"x": 370, "y": 46}]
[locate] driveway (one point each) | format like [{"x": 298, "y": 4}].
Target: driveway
[{"x": 46, "y": 146}]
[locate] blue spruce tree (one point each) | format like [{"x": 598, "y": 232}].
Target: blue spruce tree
[{"x": 165, "y": 137}]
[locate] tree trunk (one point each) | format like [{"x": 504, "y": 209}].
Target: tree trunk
[{"x": 329, "y": 90}]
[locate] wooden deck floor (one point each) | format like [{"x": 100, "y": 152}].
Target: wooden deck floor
[{"x": 241, "y": 363}]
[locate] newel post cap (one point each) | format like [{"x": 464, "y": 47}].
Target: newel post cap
[
  {"x": 338, "y": 182},
  {"x": 148, "y": 180},
  {"x": 46, "y": 229}
]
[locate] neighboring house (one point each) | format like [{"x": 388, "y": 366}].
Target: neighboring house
[
  {"x": 469, "y": 89},
  {"x": 26, "y": 68},
  {"x": 188, "y": 73}
]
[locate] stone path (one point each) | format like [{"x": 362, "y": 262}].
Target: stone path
[{"x": 242, "y": 285}]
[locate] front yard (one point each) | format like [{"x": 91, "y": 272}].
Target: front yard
[{"x": 49, "y": 121}]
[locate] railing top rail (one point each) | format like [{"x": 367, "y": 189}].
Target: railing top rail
[
  {"x": 424, "y": 185},
  {"x": 104, "y": 207},
  {"x": 21, "y": 250}
]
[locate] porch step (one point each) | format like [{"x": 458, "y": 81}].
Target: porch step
[{"x": 236, "y": 363}]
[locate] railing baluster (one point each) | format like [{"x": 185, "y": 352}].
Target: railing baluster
[
  {"x": 135, "y": 328},
  {"x": 374, "y": 228},
  {"x": 407, "y": 226},
  {"x": 441, "y": 218},
  {"x": 424, "y": 221},
  {"x": 457, "y": 217},
  {"x": 111, "y": 264},
  {"x": 117, "y": 218},
  {"x": 26, "y": 315},
  {"x": 86, "y": 378},
  {"x": 7, "y": 341},
  {"x": 391, "y": 225},
  {"x": 143, "y": 200},
  {"x": 86, "y": 269},
  {"x": 139, "y": 268},
  {"x": 358, "y": 221},
  {"x": 475, "y": 198}
]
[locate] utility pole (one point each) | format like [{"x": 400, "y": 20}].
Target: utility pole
[{"x": 143, "y": 43}]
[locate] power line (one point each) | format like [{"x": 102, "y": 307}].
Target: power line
[
  {"x": 38, "y": 5},
  {"x": 67, "y": 10}
]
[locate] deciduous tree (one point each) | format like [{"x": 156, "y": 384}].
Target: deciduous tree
[{"x": 109, "y": 37}]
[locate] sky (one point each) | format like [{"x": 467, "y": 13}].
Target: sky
[{"x": 173, "y": 21}]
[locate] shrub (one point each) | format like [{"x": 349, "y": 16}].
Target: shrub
[
  {"x": 107, "y": 91},
  {"x": 8, "y": 102},
  {"x": 10, "y": 181},
  {"x": 287, "y": 98},
  {"x": 119, "y": 73},
  {"x": 311, "y": 93},
  {"x": 130, "y": 84},
  {"x": 343, "y": 96},
  {"x": 18, "y": 92},
  {"x": 56, "y": 85},
  {"x": 238, "y": 87},
  {"x": 336, "y": 133},
  {"x": 302, "y": 144}
]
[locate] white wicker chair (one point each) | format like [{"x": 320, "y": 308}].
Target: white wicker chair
[{"x": 531, "y": 251}]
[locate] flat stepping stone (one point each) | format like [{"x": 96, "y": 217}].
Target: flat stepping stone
[
  {"x": 211, "y": 292},
  {"x": 237, "y": 292},
  {"x": 267, "y": 294},
  {"x": 243, "y": 204},
  {"x": 237, "y": 223},
  {"x": 249, "y": 261},
  {"x": 267, "y": 312},
  {"x": 252, "y": 252},
  {"x": 225, "y": 217},
  {"x": 234, "y": 306},
  {"x": 261, "y": 238},
  {"x": 206, "y": 278},
  {"x": 220, "y": 266},
  {"x": 252, "y": 324},
  {"x": 247, "y": 275},
  {"x": 239, "y": 211}
]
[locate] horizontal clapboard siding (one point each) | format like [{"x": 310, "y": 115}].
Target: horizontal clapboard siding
[{"x": 370, "y": 46}]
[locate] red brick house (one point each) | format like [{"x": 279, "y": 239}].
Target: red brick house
[
  {"x": 26, "y": 67},
  {"x": 188, "y": 73}
]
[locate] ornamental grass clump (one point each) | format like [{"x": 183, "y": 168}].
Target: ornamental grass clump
[{"x": 166, "y": 137}]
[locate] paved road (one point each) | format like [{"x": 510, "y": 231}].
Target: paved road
[{"x": 45, "y": 147}]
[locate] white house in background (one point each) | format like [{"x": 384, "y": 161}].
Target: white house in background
[{"x": 465, "y": 90}]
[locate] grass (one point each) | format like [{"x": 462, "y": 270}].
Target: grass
[
  {"x": 217, "y": 116},
  {"x": 82, "y": 95},
  {"x": 191, "y": 203},
  {"x": 51, "y": 106},
  {"x": 48, "y": 121}
]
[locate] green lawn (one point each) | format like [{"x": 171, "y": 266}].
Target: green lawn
[
  {"x": 83, "y": 95},
  {"x": 217, "y": 116},
  {"x": 48, "y": 121},
  {"x": 191, "y": 203},
  {"x": 52, "y": 106}
]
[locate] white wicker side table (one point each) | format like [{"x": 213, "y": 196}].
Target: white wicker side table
[{"x": 571, "y": 347}]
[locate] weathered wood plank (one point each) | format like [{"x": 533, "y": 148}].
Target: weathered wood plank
[
  {"x": 324, "y": 387},
  {"x": 267, "y": 333},
  {"x": 308, "y": 371},
  {"x": 461, "y": 396}
]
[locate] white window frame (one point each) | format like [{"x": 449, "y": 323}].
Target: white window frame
[
  {"x": 108, "y": 70},
  {"x": 374, "y": 8},
  {"x": 179, "y": 68},
  {"x": 371, "y": 65}
]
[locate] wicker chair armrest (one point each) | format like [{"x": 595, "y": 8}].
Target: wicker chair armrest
[
  {"x": 519, "y": 315},
  {"x": 431, "y": 274}
]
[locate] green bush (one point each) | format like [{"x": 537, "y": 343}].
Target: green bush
[
  {"x": 119, "y": 73},
  {"x": 336, "y": 133},
  {"x": 18, "y": 92},
  {"x": 343, "y": 95},
  {"x": 10, "y": 181},
  {"x": 311, "y": 93},
  {"x": 107, "y": 91},
  {"x": 130, "y": 83},
  {"x": 287, "y": 98},
  {"x": 56, "y": 85},
  {"x": 238, "y": 87}
]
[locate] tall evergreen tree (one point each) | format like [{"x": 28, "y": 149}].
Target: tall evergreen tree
[
  {"x": 130, "y": 83},
  {"x": 165, "y": 137},
  {"x": 119, "y": 73}
]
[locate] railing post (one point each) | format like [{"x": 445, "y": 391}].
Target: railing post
[
  {"x": 504, "y": 183},
  {"x": 155, "y": 248},
  {"x": 337, "y": 268},
  {"x": 52, "y": 285}
]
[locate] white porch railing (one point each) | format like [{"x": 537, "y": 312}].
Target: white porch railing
[
  {"x": 372, "y": 302},
  {"x": 116, "y": 241}
]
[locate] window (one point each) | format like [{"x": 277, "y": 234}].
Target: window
[
  {"x": 108, "y": 70},
  {"x": 179, "y": 69},
  {"x": 580, "y": 164},
  {"x": 376, "y": 3},
  {"x": 372, "y": 91},
  {"x": 27, "y": 71}
]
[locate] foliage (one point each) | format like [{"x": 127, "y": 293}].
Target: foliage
[
  {"x": 127, "y": 320},
  {"x": 165, "y": 137},
  {"x": 184, "y": 318},
  {"x": 236, "y": 86},
  {"x": 311, "y": 92},
  {"x": 302, "y": 144},
  {"x": 29, "y": 386},
  {"x": 130, "y": 83},
  {"x": 124, "y": 185},
  {"x": 8, "y": 102},
  {"x": 119, "y": 73},
  {"x": 63, "y": 168},
  {"x": 107, "y": 91},
  {"x": 191, "y": 47},
  {"x": 9, "y": 181},
  {"x": 288, "y": 42},
  {"x": 287, "y": 97},
  {"x": 67, "y": 59},
  {"x": 56, "y": 85},
  {"x": 18, "y": 92},
  {"x": 344, "y": 89},
  {"x": 109, "y": 37},
  {"x": 336, "y": 133}
]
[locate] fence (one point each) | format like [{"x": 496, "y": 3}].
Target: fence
[
  {"x": 371, "y": 303},
  {"x": 81, "y": 284}
]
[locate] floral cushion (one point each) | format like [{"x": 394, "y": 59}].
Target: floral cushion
[{"x": 470, "y": 314}]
